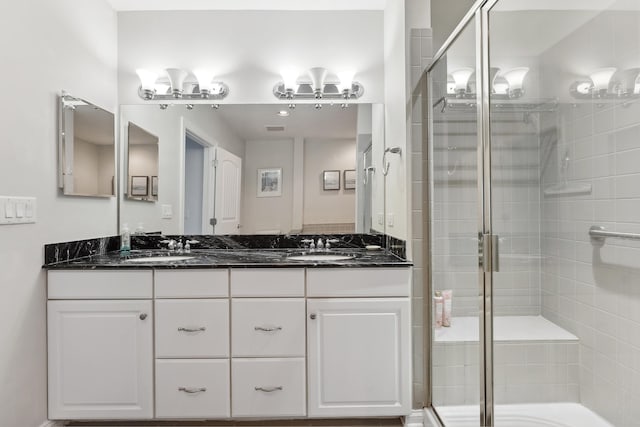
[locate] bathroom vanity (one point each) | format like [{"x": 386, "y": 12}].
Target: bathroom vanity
[{"x": 229, "y": 334}]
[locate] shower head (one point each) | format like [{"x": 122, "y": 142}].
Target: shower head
[{"x": 394, "y": 150}]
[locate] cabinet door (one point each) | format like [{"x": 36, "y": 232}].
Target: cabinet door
[
  {"x": 100, "y": 359},
  {"x": 359, "y": 357}
]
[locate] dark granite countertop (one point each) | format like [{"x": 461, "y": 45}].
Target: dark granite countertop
[{"x": 234, "y": 258}]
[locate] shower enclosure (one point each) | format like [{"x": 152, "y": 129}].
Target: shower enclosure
[{"x": 534, "y": 192}]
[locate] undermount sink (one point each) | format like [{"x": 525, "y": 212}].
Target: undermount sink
[
  {"x": 320, "y": 257},
  {"x": 159, "y": 259}
]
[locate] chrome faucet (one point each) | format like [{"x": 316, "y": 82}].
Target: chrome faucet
[
  {"x": 171, "y": 244},
  {"x": 328, "y": 243},
  {"x": 320, "y": 245}
]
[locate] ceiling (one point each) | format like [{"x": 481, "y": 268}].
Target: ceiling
[
  {"x": 93, "y": 125},
  {"x": 133, "y": 5},
  {"x": 249, "y": 121}
]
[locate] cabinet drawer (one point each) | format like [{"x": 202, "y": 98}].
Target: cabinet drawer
[
  {"x": 192, "y": 328},
  {"x": 268, "y": 327},
  {"x": 191, "y": 283},
  {"x": 192, "y": 388},
  {"x": 99, "y": 284},
  {"x": 358, "y": 282},
  {"x": 267, "y": 282},
  {"x": 268, "y": 387}
]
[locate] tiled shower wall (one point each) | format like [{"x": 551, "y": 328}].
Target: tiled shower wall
[
  {"x": 420, "y": 46},
  {"x": 589, "y": 290}
]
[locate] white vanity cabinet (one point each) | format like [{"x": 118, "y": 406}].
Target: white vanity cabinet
[
  {"x": 100, "y": 345},
  {"x": 359, "y": 348},
  {"x": 268, "y": 343},
  {"x": 192, "y": 344}
]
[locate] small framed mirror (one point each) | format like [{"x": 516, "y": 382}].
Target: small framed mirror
[
  {"x": 142, "y": 164},
  {"x": 86, "y": 148}
]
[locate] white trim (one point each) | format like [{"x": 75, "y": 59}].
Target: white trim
[
  {"x": 430, "y": 418},
  {"x": 415, "y": 419},
  {"x": 50, "y": 423}
]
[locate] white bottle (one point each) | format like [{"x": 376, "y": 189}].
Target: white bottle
[
  {"x": 438, "y": 309},
  {"x": 125, "y": 239}
]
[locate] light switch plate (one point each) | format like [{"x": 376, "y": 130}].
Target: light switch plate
[
  {"x": 390, "y": 220},
  {"x": 167, "y": 211},
  {"x": 17, "y": 210}
]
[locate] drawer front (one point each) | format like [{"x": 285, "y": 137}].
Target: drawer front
[
  {"x": 192, "y": 388},
  {"x": 268, "y": 327},
  {"x": 99, "y": 284},
  {"x": 267, "y": 282},
  {"x": 192, "y": 283},
  {"x": 192, "y": 328},
  {"x": 268, "y": 387},
  {"x": 359, "y": 282}
]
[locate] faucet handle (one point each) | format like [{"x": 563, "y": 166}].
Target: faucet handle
[
  {"x": 306, "y": 241},
  {"x": 171, "y": 244},
  {"x": 328, "y": 242},
  {"x": 320, "y": 245}
]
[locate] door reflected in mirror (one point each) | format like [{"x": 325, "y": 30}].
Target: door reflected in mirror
[
  {"x": 86, "y": 149},
  {"x": 142, "y": 161},
  {"x": 252, "y": 169}
]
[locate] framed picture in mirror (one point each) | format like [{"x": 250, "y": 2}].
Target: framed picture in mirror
[
  {"x": 269, "y": 182},
  {"x": 154, "y": 186},
  {"x": 350, "y": 179},
  {"x": 331, "y": 180},
  {"x": 139, "y": 185}
]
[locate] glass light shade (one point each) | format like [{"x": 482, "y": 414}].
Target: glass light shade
[
  {"x": 515, "y": 77},
  {"x": 501, "y": 88},
  {"x": 317, "y": 75},
  {"x": 205, "y": 79},
  {"x": 346, "y": 80},
  {"x": 461, "y": 78},
  {"x": 176, "y": 78},
  {"x": 290, "y": 79},
  {"x": 583, "y": 88},
  {"x": 147, "y": 79},
  {"x": 636, "y": 87},
  {"x": 601, "y": 78}
]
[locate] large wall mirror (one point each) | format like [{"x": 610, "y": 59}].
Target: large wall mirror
[
  {"x": 257, "y": 169},
  {"x": 86, "y": 148}
]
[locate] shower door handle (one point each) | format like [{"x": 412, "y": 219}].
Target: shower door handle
[{"x": 490, "y": 252}]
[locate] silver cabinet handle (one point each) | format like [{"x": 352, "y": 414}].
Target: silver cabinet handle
[
  {"x": 200, "y": 329},
  {"x": 312, "y": 316},
  {"x": 192, "y": 390},
  {"x": 267, "y": 329},
  {"x": 268, "y": 389},
  {"x": 143, "y": 316}
]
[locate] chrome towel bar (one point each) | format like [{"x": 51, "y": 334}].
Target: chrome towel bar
[{"x": 599, "y": 234}]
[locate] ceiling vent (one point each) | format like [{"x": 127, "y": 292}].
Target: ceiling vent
[{"x": 274, "y": 128}]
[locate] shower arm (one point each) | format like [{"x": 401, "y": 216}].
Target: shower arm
[{"x": 386, "y": 165}]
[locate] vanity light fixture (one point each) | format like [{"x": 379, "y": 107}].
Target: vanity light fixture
[
  {"x": 283, "y": 113},
  {"x": 460, "y": 81},
  {"x": 608, "y": 83},
  {"x": 175, "y": 84},
  {"x": 318, "y": 83},
  {"x": 507, "y": 84},
  {"x": 515, "y": 78}
]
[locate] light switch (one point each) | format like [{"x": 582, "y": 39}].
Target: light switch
[
  {"x": 28, "y": 209},
  {"x": 167, "y": 212},
  {"x": 9, "y": 209},
  {"x": 20, "y": 209},
  {"x": 390, "y": 220},
  {"x": 380, "y": 219}
]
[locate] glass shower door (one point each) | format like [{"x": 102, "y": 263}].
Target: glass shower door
[
  {"x": 454, "y": 223},
  {"x": 565, "y": 167}
]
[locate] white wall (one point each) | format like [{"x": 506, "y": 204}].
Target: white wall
[
  {"x": 143, "y": 161},
  {"x": 396, "y": 96},
  {"x": 47, "y": 46},
  {"x": 168, "y": 125},
  {"x": 328, "y": 207},
  {"x": 250, "y": 49},
  {"x": 266, "y": 214}
]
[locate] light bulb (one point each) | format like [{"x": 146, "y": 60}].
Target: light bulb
[
  {"x": 176, "y": 78},
  {"x": 147, "y": 81},
  {"x": 346, "y": 80},
  {"x": 601, "y": 78},
  {"x": 318, "y": 74},
  {"x": 290, "y": 79},
  {"x": 461, "y": 78},
  {"x": 205, "y": 81},
  {"x": 515, "y": 78}
]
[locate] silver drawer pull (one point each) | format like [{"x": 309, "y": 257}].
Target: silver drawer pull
[
  {"x": 267, "y": 329},
  {"x": 192, "y": 390},
  {"x": 268, "y": 389},
  {"x": 200, "y": 329}
]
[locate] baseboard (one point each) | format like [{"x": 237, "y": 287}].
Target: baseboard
[
  {"x": 431, "y": 419},
  {"x": 415, "y": 419},
  {"x": 50, "y": 423}
]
